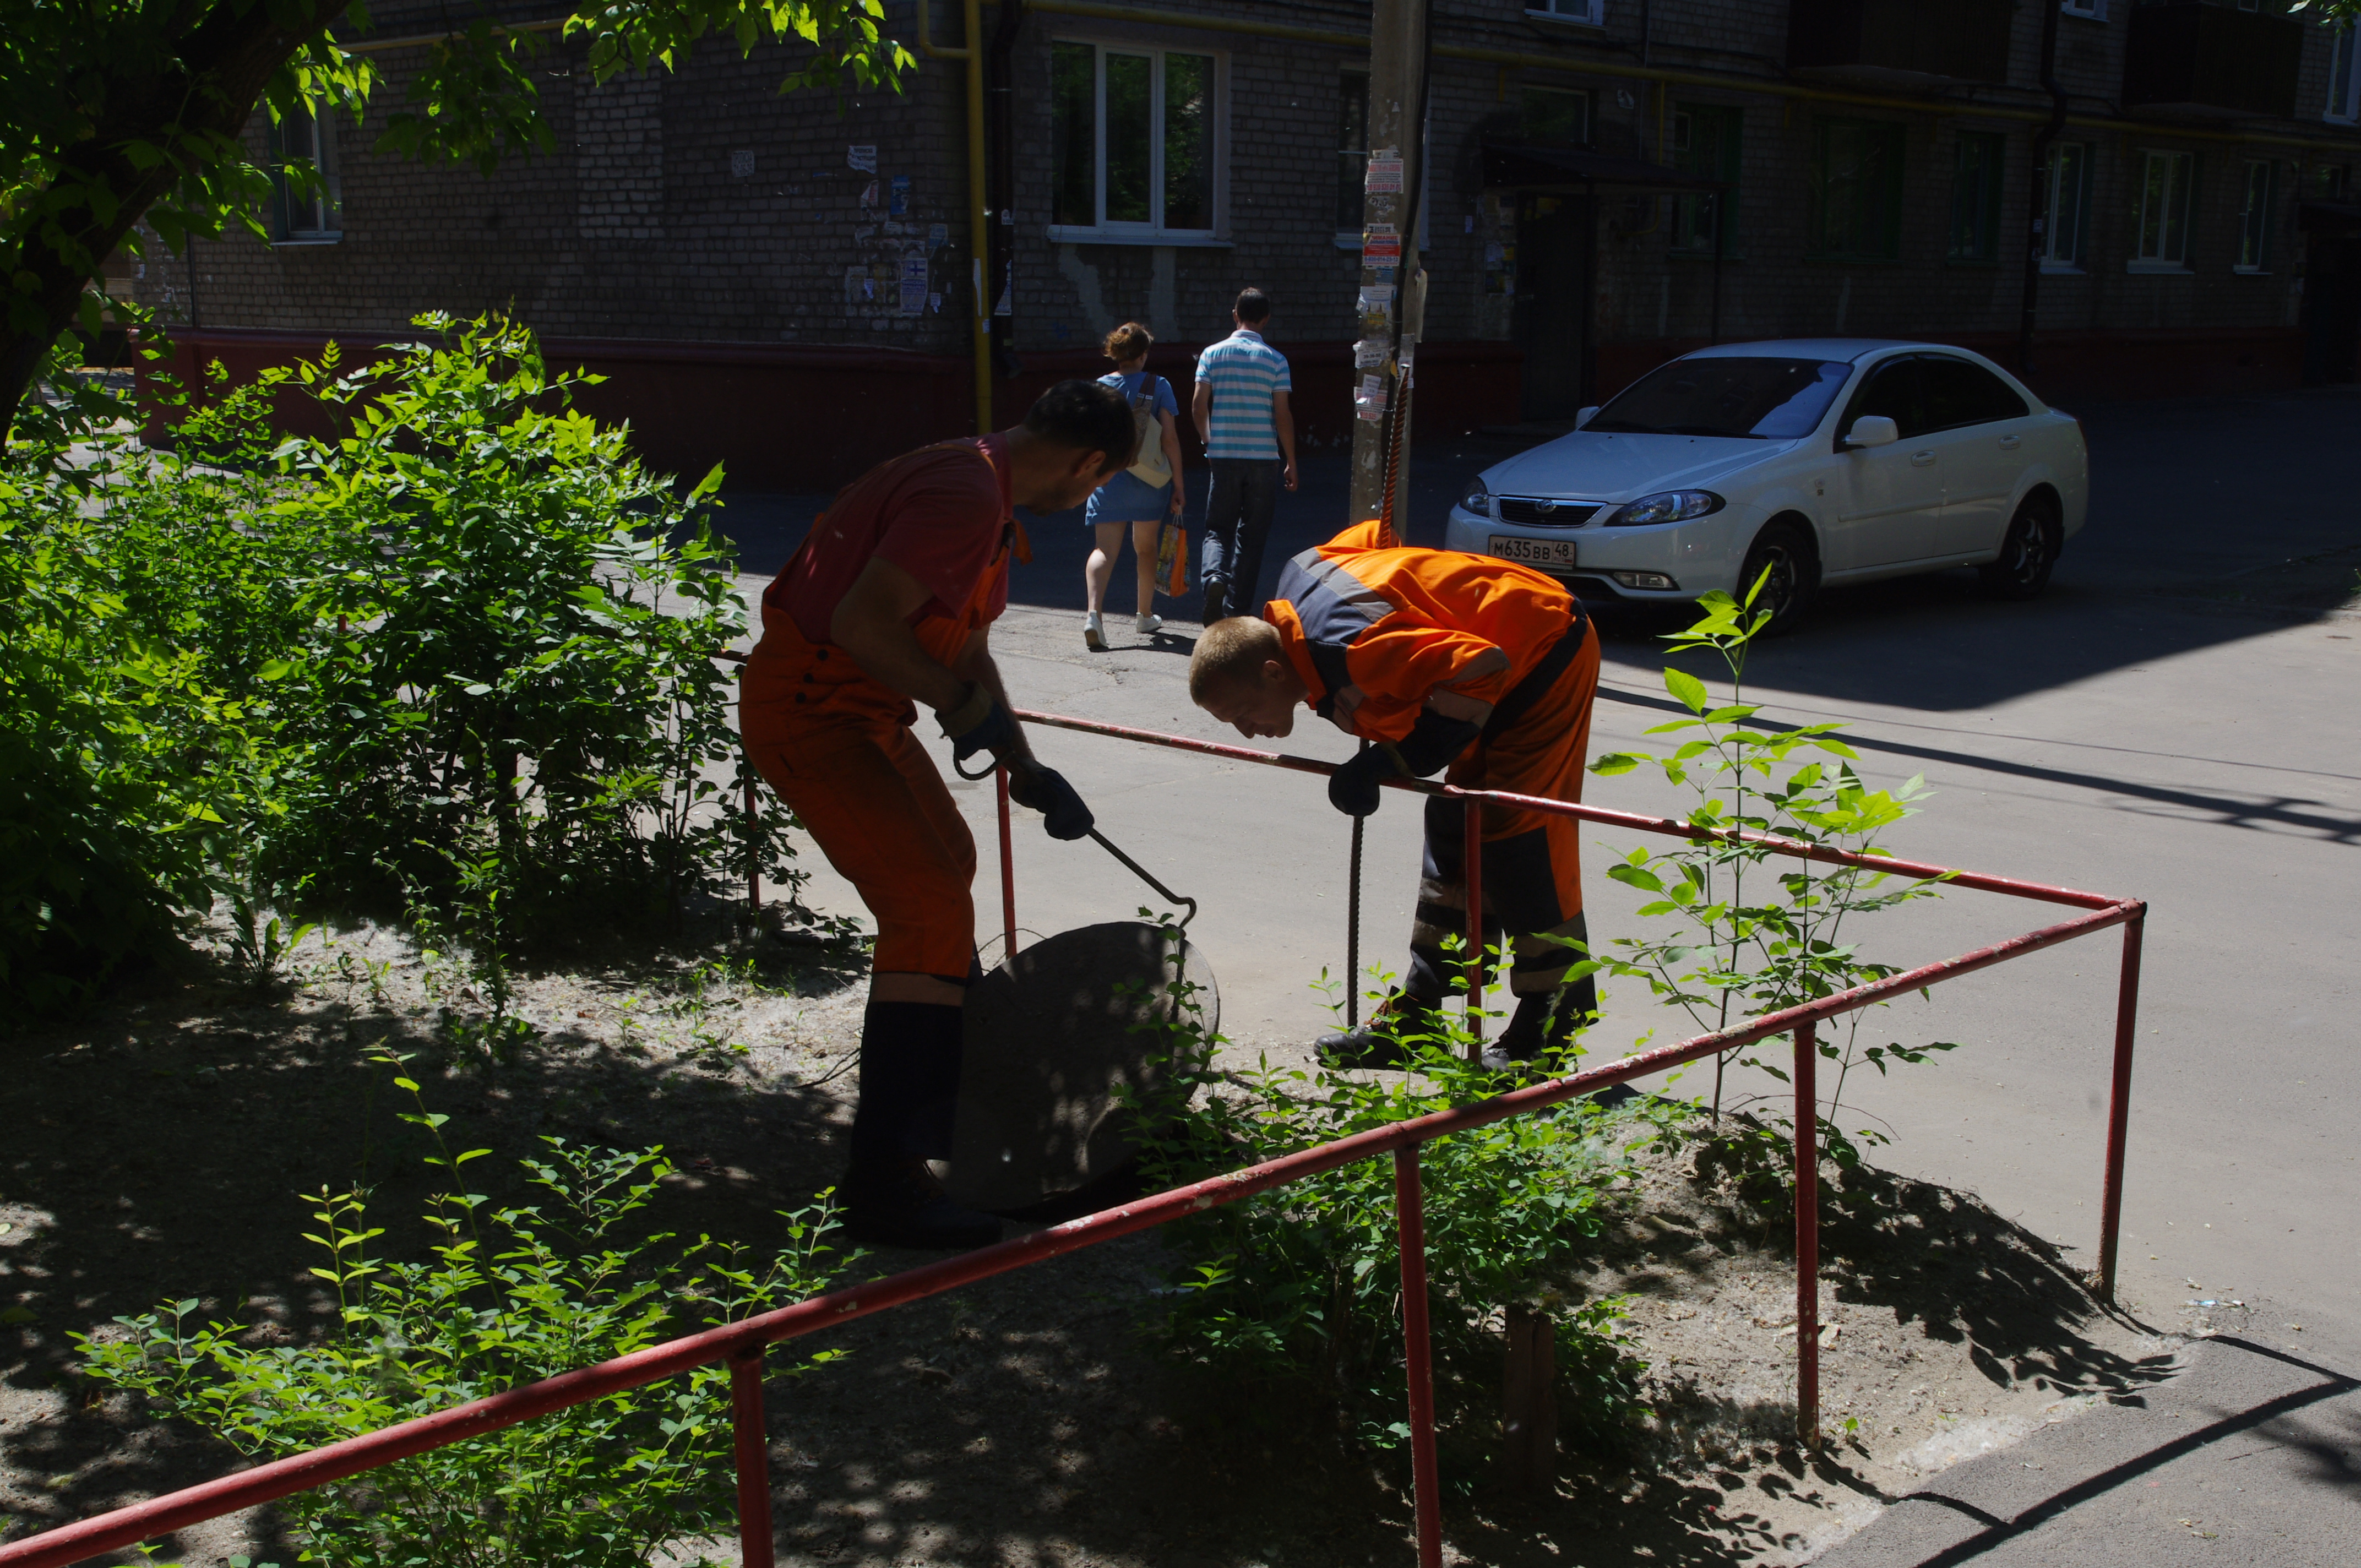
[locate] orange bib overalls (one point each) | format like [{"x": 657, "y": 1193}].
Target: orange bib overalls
[{"x": 836, "y": 745}]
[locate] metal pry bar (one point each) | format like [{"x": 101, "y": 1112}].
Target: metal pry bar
[{"x": 1142, "y": 873}]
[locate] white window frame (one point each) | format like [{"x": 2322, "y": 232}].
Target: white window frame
[
  {"x": 2344, "y": 76},
  {"x": 2180, "y": 191},
  {"x": 1218, "y": 197},
  {"x": 2252, "y": 232},
  {"x": 2089, "y": 10},
  {"x": 2051, "y": 261},
  {"x": 323, "y": 208},
  {"x": 1573, "y": 13}
]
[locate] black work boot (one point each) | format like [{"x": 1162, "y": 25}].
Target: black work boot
[
  {"x": 1216, "y": 601},
  {"x": 1543, "y": 1027},
  {"x": 902, "y": 1204},
  {"x": 909, "y": 1088},
  {"x": 1391, "y": 1039}
]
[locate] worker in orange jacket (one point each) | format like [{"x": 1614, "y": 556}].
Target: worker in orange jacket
[
  {"x": 890, "y": 602},
  {"x": 1439, "y": 660}
]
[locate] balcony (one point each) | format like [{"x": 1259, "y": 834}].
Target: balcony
[
  {"x": 2184, "y": 58},
  {"x": 1900, "y": 43}
]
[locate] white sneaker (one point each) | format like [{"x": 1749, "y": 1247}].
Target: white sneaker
[
  {"x": 1094, "y": 634},
  {"x": 1149, "y": 623}
]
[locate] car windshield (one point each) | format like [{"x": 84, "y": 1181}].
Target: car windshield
[{"x": 1757, "y": 399}]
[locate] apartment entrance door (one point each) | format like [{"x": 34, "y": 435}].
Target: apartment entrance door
[{"x": 1556, "y": 239}]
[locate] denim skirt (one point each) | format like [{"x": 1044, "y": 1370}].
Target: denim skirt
[{"x": 1128, "y": 499}]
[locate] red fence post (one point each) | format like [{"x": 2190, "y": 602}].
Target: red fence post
[
  {"x": 1474, "y": 859},
  {"x": 753, "y": 853},
  {"x": 1418, "y": 1354},
  {"x": 2119, "y": 1107},
  {"x": 1807, "y": 1236},
  {"x": 752, "y": 1444},
  {"x": 1007, "y": 870}
]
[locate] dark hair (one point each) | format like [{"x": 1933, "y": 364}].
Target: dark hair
[
  {"x": 1088, "y": 417},
  {"x": 1253, "y": 305}
]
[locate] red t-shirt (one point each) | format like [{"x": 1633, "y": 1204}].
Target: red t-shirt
[{"x": 939, "y": 513}]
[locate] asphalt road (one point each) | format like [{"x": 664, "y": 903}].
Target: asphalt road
[{"x": 2174, "y": 721}]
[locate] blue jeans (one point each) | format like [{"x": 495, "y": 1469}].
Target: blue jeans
[{"x": 1237, "y": 521}]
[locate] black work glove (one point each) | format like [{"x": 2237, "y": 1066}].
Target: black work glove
[
  {"x": 1045, "y": 791},
  {"x": 1433, "y": 741},
  {"x": 978, "y": 724},
  {"x": 1353, "y": 788}
]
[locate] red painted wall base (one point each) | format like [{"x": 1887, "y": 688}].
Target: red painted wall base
[{"x": 809, "y": 418}]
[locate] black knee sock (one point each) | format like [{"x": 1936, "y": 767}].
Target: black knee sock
[{"x": 910, "y": 1082}]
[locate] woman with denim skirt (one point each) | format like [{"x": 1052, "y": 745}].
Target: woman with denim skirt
[{"x": 1139, "y": 498}]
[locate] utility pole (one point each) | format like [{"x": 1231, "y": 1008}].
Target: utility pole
[{"x": 1391, "y": 306}]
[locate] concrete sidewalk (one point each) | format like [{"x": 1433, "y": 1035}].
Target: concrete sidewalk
[{"x": 2252, "y": 1456}]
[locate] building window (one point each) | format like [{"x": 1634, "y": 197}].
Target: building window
[
  {"x": 2065, "y": 217},
  {"x": 1705, "y": 142},
  {"x": 1589, "y": 13},
  {"x": 2344, "y": 81},
  {"x": 1857, "y": 191},
  {"x": 1553, "y": 117},
  {"x": 1131, "y": 135},
  {"x": 1975, "y": 196},
  {"x": 1353, "y": 156},
  {"x": 2095, "y": 10},
  {"x": 305, "y": 208},
  {"x": 2166, "y": 179},
  {"x": 2254, "y": 218}
]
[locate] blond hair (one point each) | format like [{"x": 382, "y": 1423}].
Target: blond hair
[
  {"x": 1230, "y": 651},
  {"x": 1128, "y": 342}
]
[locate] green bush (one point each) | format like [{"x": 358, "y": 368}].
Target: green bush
[
  {"x": 509, "y": 1297},
  {"x": 136, "y": 613},
  {"x": 529, "y": 620},
  {"x": 471, "y": 630}
]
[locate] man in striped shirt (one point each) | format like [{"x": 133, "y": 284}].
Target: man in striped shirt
[{"x": 1241, "y": 410}]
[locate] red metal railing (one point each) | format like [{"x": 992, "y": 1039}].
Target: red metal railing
[{"x": 741, "y": 1344}]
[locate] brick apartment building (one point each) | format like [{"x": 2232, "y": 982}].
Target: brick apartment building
[{"x": 789, "y": 284}]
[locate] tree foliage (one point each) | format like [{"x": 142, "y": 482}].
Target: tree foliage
[{"x": 113, "y": 112}]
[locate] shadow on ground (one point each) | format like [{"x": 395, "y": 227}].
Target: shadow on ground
[{"x": 1017, "y": 1421}]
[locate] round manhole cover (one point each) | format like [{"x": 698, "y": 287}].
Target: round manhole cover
[{"x": 1051, "y": 1036}]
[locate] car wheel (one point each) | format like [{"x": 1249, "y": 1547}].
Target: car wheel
[
  {"x": 2027, "y": 553},
  {"x": 1785, "y": 552}
]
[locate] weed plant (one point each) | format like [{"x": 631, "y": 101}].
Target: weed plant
[
  {"x": 1296, "y": 1293},
  {"x": 506, "y": 1297},
  {"x": 1754, "y": 931}
]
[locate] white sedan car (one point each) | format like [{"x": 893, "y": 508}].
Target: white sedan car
[{"x": 1835, "y": 460}]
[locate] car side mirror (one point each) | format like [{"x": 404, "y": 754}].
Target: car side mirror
[
  {"x": 1872, "y": 429},
  {"x": 1584, "y": 416}
]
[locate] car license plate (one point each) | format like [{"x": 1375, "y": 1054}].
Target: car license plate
[{"x": 1534, "y": 551}]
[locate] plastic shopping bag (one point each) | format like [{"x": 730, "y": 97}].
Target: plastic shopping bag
[{"x": 1173, "y": 560}]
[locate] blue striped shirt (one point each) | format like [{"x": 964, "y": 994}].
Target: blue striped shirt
[{"x": 1244, "y": 371}]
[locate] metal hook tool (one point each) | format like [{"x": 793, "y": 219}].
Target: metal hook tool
[{"x": 1142, "y": 873}]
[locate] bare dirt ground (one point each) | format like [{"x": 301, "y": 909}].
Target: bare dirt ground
[{"x": 155, "y": 1152}]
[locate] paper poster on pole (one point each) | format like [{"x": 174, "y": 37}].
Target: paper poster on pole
[{"x": 863, "y": 159}]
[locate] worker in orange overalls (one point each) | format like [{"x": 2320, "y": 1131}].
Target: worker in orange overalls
[
  {"x": 891, "y": 601},
  {"x": 1440, "y": 659}
]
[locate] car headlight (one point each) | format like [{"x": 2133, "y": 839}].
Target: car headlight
[
  {"x": 1665, "y": 506},
  {"x": 1477, "y": 500}
]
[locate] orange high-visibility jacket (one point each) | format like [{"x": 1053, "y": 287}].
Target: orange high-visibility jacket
[{"x": 1373, "y": 631}]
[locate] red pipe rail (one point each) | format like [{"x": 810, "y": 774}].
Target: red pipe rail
[{"x": 741, "y": 1344}]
